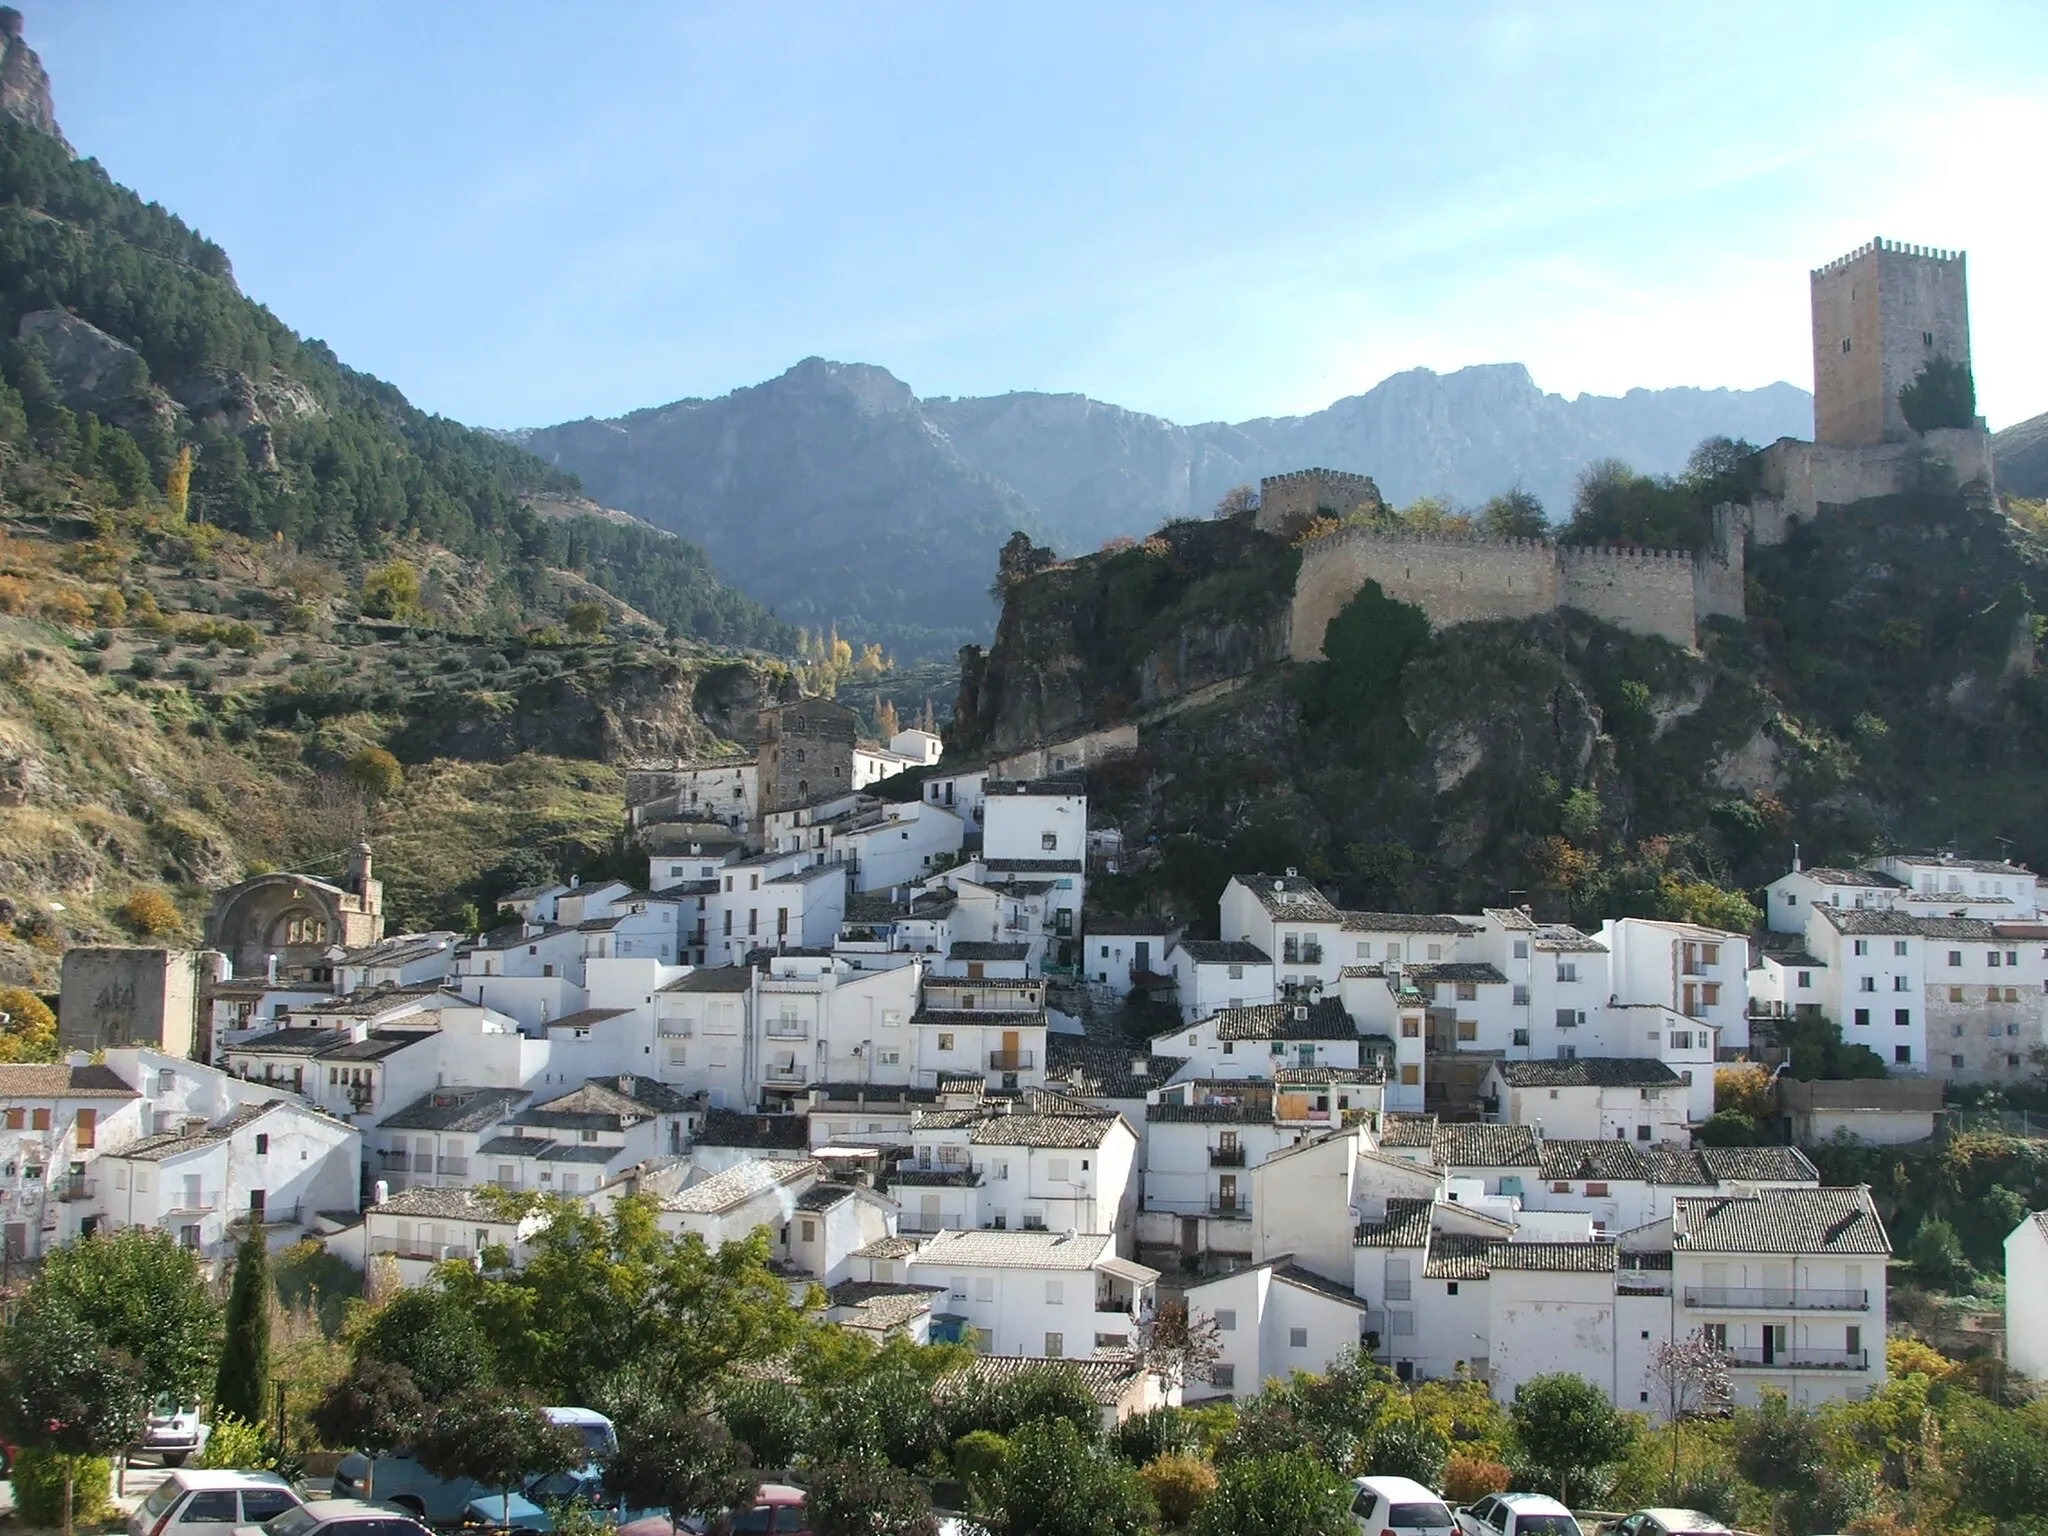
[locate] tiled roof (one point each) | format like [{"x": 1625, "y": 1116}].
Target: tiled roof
[
  {"x": 586, "y": 1018},
  {"x": 56, "y": 1080},
  {"x": 292, "y": 1040},
  {"x": 1457, "y": 1256},
  {"x": 978, "y": 949},
  {"x": 988, "y": 1018},
  {"x": 1562, "y": 938},
  {"x": 1780, "y": 1221},
  {"x": 1782, "y": 1165},
  {"x": 1032, "y": 866},
  {"x": 735, "y": 1128},
  {"x": 1324, "y": 1019},
  {"x": 736, "y": 1185},
  {"x": 1222, "y": 952},
  {"x": 1405, "y": 922},
  {"x": 1260, "y": 1113},
  {"x": 1455, "y": 970},
  {"x": 914, "y": 1177},
  {"x": 1609, "y": 1160},
  {"x": 1596, "y": 1258},
  {"x": 1669, "y": 1164},
  {"x": 876, "y": 1095},
  {"x": 881, "y": 1307},
  {"x": 1515, "y": 919},
  {"x": 449, "y": 1204},
  {"x": 822, "y": 1197},
  {"x": 1041, "y": 1131},
  {"x": 1467, "y": 1145},
  {"x": 1406, "y": 1225},
  {"x": 543, "y": 1118},
  {"x": 567, "y": 1152},
  {"x": 378, "y": 1044},
  {"x": 1309, "y": 1280},
  {"x": 376, "y": 1000},
  {"x": 1318, "y": 1077},
  {"x": 1969, "y": 866},
  {"x": 1588, "y": 1072},
  {"x": 1292, "y": 898},
  {"x": 1870, "y": 920},
  {"x": 886, "y": 1248},
  {"x": 1851, "y": 877},
  {"x": 948, "y": 1119},
  {"x": 399, "y": 949},
  {"x": 1104, "y": 1069},
  {"x": 155, "y": 1149},
  {"x": 716, "y": 978},
  {"x": 1108, "y": 1378},
  {"x": 1971, "y": 929},
  {"x": 455, "y": 1109},
  {"x": 1017, "y": 1249},
  {"x": 1399, "y": 1130}
]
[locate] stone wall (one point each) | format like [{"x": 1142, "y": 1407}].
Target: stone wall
[
  {"x": 1289, "y": 503},
  {"x": 1453, "y": 580},
  {"x": 118, "y": 995},
  {"x": 1645, "y": 591},
  {"x": 1799, "y": 478}
]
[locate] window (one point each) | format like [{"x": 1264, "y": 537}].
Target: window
[
  {"x": 1681, "y": 1039},
  {"x": 1567, "y": 1018},
  {"x": 945, "y": 1042},
  {"x": 1521, "y": 997},
  {"x": 262, "y": 1144},
  {"x": 1397, "y": 1278},
  {"x": 1862, "y": 1017},
  {"x": 1898, "y": 946},
  {"x": 1297, "y": 1338},
  {"x": 1521, "y": 950},
  {"x": 1055, "y": 1293},
  {"x": 2012, "y": 957},
  {"x": 1991, "y": 958},
  {"x": 1903, "y": 1017},
  {"x": 1054, "y": 1346},
  {"x": 1410, "y": 1075},
  {"x": 1805, "y": 979},
  {"x": 1861, "y": 946},
  {"x": 1468, "y": 1029},
  {"x": 1056, "y": 1170},
  {"x": 1468, "y": 991},
  {"x": 215, "y": 1506},
  {"x": 1567, "y": 970},
  {"x": 1956, "y": 1062},
  {"x": 1866, "y": 984},
  {"x": 1411, "y": 1027},
  {"x": 1642, "y": 1133},
  {"x": 1902, "y": 1055},
  {"x": 1899, "y": 984},
  {"x": 1955, "y": 957},
  {"x": 1845, "y": 346},
  {"x": 1226, "y": 1319},
  {"x": 1224, "y": 1376},
  {"x": 39, "y": 1120},
  {"x": 807, "y": 1230},
  {"x": 984, "y": 1287},
  {"x": 1450, "y": 1287},
  {"x": 1955, "y": 994},
  {"x": 1436, "y": 951},
  {"x": 1521, "y": 1037},
  {"x": 2012, "y": 995},
  {"x": 1048, "y": 841}
]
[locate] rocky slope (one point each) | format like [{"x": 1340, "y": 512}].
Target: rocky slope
[
  {"x": 1883, "y": 693},
  {"x": 897, "y": 504},
  {"x": 2021, "y": 455},
  {"x": 24, "y": 83}
]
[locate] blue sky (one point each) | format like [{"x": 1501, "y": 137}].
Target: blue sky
[{"x": 524, "y": 213}]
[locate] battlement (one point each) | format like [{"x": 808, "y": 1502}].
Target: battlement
[
  {"x": 1889, "y": 247},
  {"x": 1289, "y": 502}
]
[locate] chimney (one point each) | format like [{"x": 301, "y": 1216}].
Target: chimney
[
  {"x": 270, "y": 969},
  {"x": 380, "y": 1192},
  {"x": 1795, "y": 858}
]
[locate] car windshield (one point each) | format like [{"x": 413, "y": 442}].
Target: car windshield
[
  {"x": 293, "y": 1522},
  {"x": 161, "y": 1498},
  {"x": 1546, "y": 1525},
  {"x": 1419, "y": 1517}
]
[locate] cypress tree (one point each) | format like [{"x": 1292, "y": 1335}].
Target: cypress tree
[{"x": 245, "y": 1354}]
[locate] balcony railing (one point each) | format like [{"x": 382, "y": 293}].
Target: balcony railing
[
  {"x": 73, "y": 1186},
  {"x": 1115, "y": 1306},
  {"x": 1237, "y": 1208},
  {"x": 419, "y": 1248},
  {"x": 1775, "y": 1298},
  {"x": 789, "y": 1029},
  {"x": 400, "y": 1162},
  {"x": 457, "y": 1166},
  {"x": 1642, "y": 1285},
  {"x": 1799, "y": 1358},
  {"x": 208, "y": 1200},
  {"x": 784, "y": 1072},
  {"x": 1009, "y": 1061},
  {"x": 270, "y": 1216},
  {"x": 1226, "y": 1157},
  {"x": 1301, "y": 954}
]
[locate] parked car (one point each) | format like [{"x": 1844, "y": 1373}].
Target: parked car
[
  {"x": 404, "y": 1484},
  {"x": 1399, "y": 1506},
  {"x": 1671, "y": 1522},
  {"x": 778, "y": 1511},
  {"x": 1517, "y": 1514},
  {"x": 338, "y": 1517},
  {"x": 172, "y": 1431},
  {"x": 193, "y": 1502}
]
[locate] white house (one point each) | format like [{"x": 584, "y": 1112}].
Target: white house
[
  {"x": 991, "y": 1029},
  {"x": 1701, "y": 974},
  {"x": 430, "y": 1143},
  {"x": 1875, "y": 980},
  {"x": 1047, "y": 1295},
  {"x": 1591, "y": 1098},
  {"x": 1289, "y": 919},
  {"x": 1039, "y": 829},
  {"x": 2026, "y": 1296},
  {"x": 922, "y": 747},
  {"x": 1257, "y": 1041},
  {"x": 1210, "y": 975},
  {"x": 1058, "y": 1172},
  {"x": 1273, "y": 1318},
  {"x": 420, "y": 1228},
  {"x": 57, "y": 1118},
  {"x": 1127, "y": 953},
  {"x": 280, "y": 1163}
]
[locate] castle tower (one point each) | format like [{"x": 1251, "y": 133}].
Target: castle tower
[{"x": 1881, "y": 314}]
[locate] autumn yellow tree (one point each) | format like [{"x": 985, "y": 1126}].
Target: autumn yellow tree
[
  {"x": 28, "y": 1030},
  {"x": 886, "y": 725},
  {"x": 178, "y": 483}
]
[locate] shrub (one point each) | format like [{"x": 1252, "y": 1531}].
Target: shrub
[
  {"x": 112, "y": 607},
  {"x": 39, "y": 1487},
  {"x": 150, "y": 913},
  {"x": 1179, "y": 1485},
  {"x": 375, "y": 772},
  {"x": 1145, "y": 1437},
  {"x": 235, "y": 1442},
  {"x": 13, "y": 595},
  {"x": 978, "y": 1459},
  {"x": 1467, "y": 1478},
  {"x": 102, "y": 638},
  {"x": 1937, "y": 1254},
  {"x": 67, "y": 607}
]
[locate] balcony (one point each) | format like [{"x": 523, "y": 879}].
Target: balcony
[
  {"x": 1775, "y": 1298},
  {"x": 1226, "y": 1157},
  {"x": 1010, "y": 1061},
  {"x": 196, "y": 1203},
  {"x": 73, "y": 1186},
  {"x": 1641, "y": 1285},
  {"x": 398, "y": 1162},
  {"x": 419, "y": 1248},
  {"x": 1798, "y": 1358},
  {"x": 786, "y": 1072},
  {"x": 1231, "y": 1207},
  {"x": 788, "y": 1029},
  {"x": 457, "y": 1167},
  {"x": 270, "y": 1216}
]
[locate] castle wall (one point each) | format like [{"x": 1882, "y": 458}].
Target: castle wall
[
  {"x": 1452, "y": 580},
  {"x": 1645, "y": 591},
  {"x": 1800, "y": 478},
  {"x": 1719, "y": 576}
]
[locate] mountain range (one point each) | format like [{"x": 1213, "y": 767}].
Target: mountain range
[{"x": 836, "y": 495}]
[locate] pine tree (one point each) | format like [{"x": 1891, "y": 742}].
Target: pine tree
[
  {"x": 245, "y": 1354},
  {"x": 178, "y": 482}
]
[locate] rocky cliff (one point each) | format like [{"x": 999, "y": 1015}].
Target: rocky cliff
[{"x": 24, "y": 83}]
